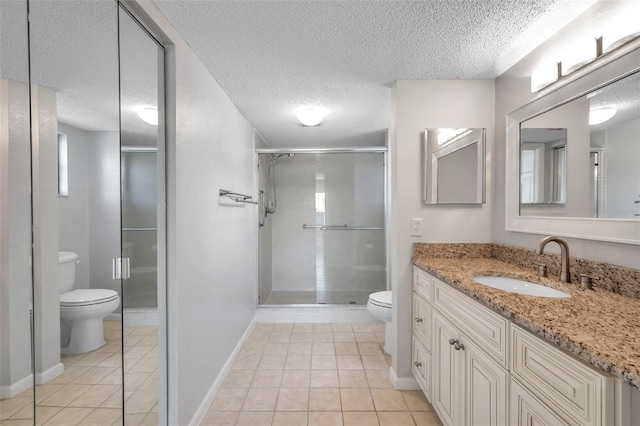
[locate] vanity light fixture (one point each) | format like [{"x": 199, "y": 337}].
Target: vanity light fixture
[
  {"x": 149, "y": 115},
  {"x": 447, "y": 135},
  {"x": 310, "y": 116},
  {"x": 600, "y": 115}
]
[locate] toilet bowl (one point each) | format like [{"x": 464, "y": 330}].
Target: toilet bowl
[
  {"x": 82, "y": 311},
  {"x": 379, "y": 305}
]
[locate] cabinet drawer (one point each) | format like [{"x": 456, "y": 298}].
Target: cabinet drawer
[
  {"x": 527, "y": 410},
  {"x": 423, "y": 284},
  {"x": 486, "y": 328},
  {"x": 421, "y": 366},
  {"x": 422, "y": 320},
  {"x": 576, "y": 392}
]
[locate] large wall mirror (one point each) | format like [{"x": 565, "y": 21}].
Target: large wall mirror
[
  {"x": 454, "y": 166},
  {"x": 576, "y": 156}
]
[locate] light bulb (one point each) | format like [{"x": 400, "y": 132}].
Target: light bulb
[
  {"x": 149, "y": 115},
  {"x": 310, "y": 116},
  {"x": 599, "y": 116}
]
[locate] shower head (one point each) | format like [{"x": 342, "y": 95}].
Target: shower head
[{"x": 274, "y": 157}]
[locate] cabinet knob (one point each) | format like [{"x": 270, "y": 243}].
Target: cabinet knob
[
  {"x": 418, "y": 319},
  {"x": 417, "y": 364},
  {"x": 458, "y": 346},
  {"x": 453, "y": 341}
]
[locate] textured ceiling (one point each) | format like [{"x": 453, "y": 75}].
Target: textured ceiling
[{"x": 273, "y": 57}]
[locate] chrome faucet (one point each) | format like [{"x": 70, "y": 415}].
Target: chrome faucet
[{"x": 565, "y": 277}]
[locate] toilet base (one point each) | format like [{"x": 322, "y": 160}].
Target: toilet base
[
  {"x": 387, "y": 338},
  {"x": 86, "y": 335}
]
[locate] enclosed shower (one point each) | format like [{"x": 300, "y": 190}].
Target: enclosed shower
[{"x": 322, "y": 231}]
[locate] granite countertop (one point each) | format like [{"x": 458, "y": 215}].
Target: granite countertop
[{"x": 598, "y": 326}]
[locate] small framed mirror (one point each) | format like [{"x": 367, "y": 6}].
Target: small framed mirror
[{"x": 454, "y": 166}]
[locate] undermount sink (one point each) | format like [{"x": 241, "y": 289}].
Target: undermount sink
[{"x": 521, "y": 287}]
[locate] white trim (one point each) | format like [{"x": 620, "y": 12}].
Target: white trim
[
  {"x": 217, "y": 384},
  {"x": 49, "y": 374},
  {"x": 315, "y": 314},
  {"x": 403, "y": 383},
  {"x": 9, "y": 391},
  {"x": 341, "y": 150}
]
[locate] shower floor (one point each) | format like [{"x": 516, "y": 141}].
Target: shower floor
[{"x": 318, "y": 298}]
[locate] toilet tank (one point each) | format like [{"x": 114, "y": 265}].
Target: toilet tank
[{"x": 68, "y": 262}]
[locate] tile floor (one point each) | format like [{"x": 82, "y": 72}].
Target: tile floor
[
  {"x": 315, "y": 375},
  {"x": 89, "y": 392}
]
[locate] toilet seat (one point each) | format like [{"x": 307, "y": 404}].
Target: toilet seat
[
  {"x": 87, "y": 297},
  {"x": 381, "y": 299}
]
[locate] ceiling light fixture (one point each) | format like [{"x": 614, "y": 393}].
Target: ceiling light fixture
[
  {"x": 600, "y": 115},
  {"x": 149, "y": 115},
  {"x": 310, "y": 116}
]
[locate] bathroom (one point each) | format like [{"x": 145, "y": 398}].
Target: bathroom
[{"x": 212, "y": 242}]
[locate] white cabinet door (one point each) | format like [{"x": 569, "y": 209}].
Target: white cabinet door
[
  {"x": 421, "y": 367},
  {"x": 527, "y": 410},
  {"x": 422, "y": 320},
  {"x": 447, "y": 372},
  {"x": 486, "y": 385}
]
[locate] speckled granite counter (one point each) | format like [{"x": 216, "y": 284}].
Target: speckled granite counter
[{"x": 599, "y": 326}]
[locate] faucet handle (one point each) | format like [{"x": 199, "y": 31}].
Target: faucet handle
[
  {"x": 586, "y": 281},
  {"x": 542, "y": 269}
]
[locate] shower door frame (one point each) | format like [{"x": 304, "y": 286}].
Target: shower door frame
[{"x": 386, "y": 219}]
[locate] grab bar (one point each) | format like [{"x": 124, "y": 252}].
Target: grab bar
[
  {"x": 305, "y": 226},
  {"x": 139, "y": 229},
  {"x": 343, "y": 227},
  {"x": 238, "y": 198}
]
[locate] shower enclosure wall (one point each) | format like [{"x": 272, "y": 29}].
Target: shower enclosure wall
[{"x": 322, "y": 237}]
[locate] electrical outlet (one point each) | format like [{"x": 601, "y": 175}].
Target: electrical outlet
[{"x": 416, "y": 227}]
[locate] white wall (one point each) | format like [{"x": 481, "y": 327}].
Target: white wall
[
  {"x": 420, "y": 105},
  {"x": 622, "y": 159},
  {"x": 513, "y": 90},
  {"x": 211, "y": 241}
]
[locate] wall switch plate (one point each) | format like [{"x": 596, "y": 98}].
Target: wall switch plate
[{"x": 416, "y": 227}]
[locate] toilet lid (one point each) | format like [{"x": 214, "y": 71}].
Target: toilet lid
[
  {"x": 86, "y": 297},
  {"x": 381, "y": 298}
]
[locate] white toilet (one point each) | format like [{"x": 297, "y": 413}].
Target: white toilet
[
  {"x": 81, "y": 311},
  {"x": 379, "y": 306}
]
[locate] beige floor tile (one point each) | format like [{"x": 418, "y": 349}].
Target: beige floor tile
[
  {"x": 69, "y": 416},
  {"x": 44, "y": 414},
  {"x": 24, "y": 422},
  {"x": 324, "y": 399},
  {"x": 143, "y": 330},
  {"x": 151, "y": 340},
  {"x": 276, "y": 348},
  {"x": 115, "y": 378},
  {"x": 362, "y": 418},
  {"x": 362, "y": 328},
  {"x": 323, "y": 362},
  {"x": 131, "y": 340},
  {"x": 342, "y": 328},
  {"x": 114, "y": 347},
  {"x": 92, "y": 359},
  {"x": 303, "y": 336},
  {"x": 24, "y": 413},
  {"x": 229, "y": 399},
  {"x": 113, "y": 360},
  {"x": 279, "y": 337},
  {"x": 282, "y": 328},
  {"x": 325, "y": 418},
  {"x": 95, "y": 396},
  {"x": 302, "y": 328},
  {"x": 46, "y": 390},
  {"x": 346, "y": 348},
  {"x": 266, "y": 378},
  {"x": 323, "y": 348},
  {"x": 352, "y": 379},
  {"x": 132, "y": 381},
  {"x": 322, "y": 337},
  {"x": 374, "y": 362},
  {"x": 293, "y": 399},
  {"x": 395, "y": 418},
  {"x": 70, "y": 374},
  {"x": 366, "y": 338},
  {"x": 296, "y": 379},
  {"x": 324, "y": 379},
  {"x": 247, "y": 361},
  {"x": 137, "y": 351},
  {"x": 426, "y": 418},
  {"x": 65, "y": 396},
  {"x": 220, "y": 418},
  {"x": 260, "y": 399},
  {"x": 388, "y": 400},
  {"x": 263, "y": 327},
  {"x": 152, "y": 382},
  {"x": 101, "y": 416},
  {"x": 145, "y": 365},
  {"x": 151, "y": 419},
  {"x": 272, "y": 362},
  {"x": 70, "y": 359},
  {"x": 134, "y": 419},
  {"x": 93, "y": 376},
  {"x": 349, "y": 362},
  {"x": 298, "y": 362},
  {"x": 239, "y": 378},
  {"x": 416, "y": 401},
  {"x": 322, "y": 328},
  {"x": 356, "y": 399},
  {"x": 115, "y": 400},
  {"x": 370, "y": 349},
  {"x": 253, "y": 348},
  {"x": 378, "y": 378},
  {"x": 9, "y": 407},
  {"x": 378, "y": 327},
  {"x": 141, "y": 401},
  {"x": 291, "y": 418},
  {"x": 255, "y": 418},
  {"x": 300, "y": 348},
  {"x": 380, "y": 337},
  {"x": 347, "y": 337}
]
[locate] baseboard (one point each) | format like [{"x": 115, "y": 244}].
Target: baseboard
[
  {"x": 9, "y": 391},
  {"x": 403, "y": 383},
  {"x": 315, "y": 314},
  {"x": 217, "y": 384},
  {"x": 49, "y": 374},
  {"x": 136, "y": 317}
]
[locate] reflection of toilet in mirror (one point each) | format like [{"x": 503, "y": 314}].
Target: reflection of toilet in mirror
[
  {"x": 82, "y": 311},
  {"x": 379, "y": 306}
]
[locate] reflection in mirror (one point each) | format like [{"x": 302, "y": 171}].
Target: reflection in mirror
[
  {"x": 582, "y": 159},
  {"x": 16, "y": 290},
  {"x": 454, "y": 166}
]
